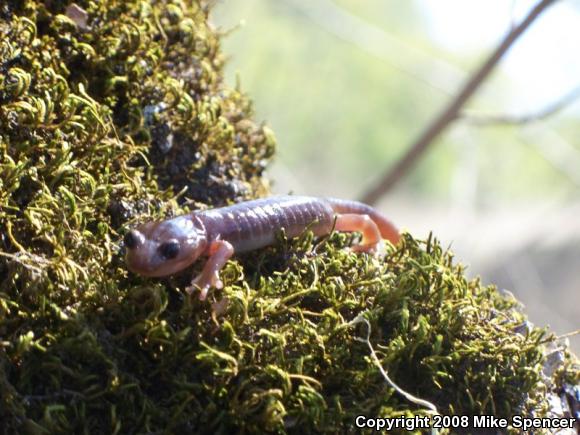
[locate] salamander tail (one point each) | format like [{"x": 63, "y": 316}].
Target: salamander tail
[{"x": 387, "y": 229}]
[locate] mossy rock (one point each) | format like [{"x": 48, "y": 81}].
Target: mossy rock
[{"x": 116, "y": 112}]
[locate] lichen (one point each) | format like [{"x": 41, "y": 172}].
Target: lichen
[{"x": 115, "y": 112}]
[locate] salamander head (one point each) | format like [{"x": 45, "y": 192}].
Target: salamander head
[{"x": 163, "y": 248}]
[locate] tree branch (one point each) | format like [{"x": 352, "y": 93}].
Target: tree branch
[
  {"x": 480, "y": 119},
  {"x": 451, "y": 111}
]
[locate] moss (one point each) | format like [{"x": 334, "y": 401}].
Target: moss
[{"x": 125, "y": 117}]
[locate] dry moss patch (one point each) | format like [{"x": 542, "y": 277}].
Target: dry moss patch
[{"x": 115, "y": 111}]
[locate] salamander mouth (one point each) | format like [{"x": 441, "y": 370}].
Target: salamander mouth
[{"x": 138, "y": 261}]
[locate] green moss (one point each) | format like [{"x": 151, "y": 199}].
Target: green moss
[{"x": 127, "y": 118}]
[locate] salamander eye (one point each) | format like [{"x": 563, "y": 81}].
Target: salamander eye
[
  {"x": 133, "y": 239},
  {"x": 169, "y": 249}
]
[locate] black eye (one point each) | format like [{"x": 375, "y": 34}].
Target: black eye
[
  {"x": 169, "y": 249},
  {"x": 132, "y": 239}
]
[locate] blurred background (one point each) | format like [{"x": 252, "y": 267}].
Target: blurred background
[{"x": 348, "y": 85}]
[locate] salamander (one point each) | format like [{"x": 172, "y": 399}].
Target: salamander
[{"x": 163, "y": 248}]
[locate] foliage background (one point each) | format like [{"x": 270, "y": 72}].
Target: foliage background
[{"x": 346, "y": 100}]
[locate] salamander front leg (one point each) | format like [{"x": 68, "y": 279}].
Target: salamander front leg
[
  {"x": 363, "y": 224},
  {"x": 219, "y": 252}
]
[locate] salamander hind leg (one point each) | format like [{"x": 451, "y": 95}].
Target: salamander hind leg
[
  {"x": 220, "y": 252},
  {"x": 362, "y": 223}
]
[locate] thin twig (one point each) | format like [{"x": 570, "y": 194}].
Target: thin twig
[
  {"x": 485, "y": 120},
  {"x": 367, "y": 340},
  {"x": 450, "y": 112}
]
